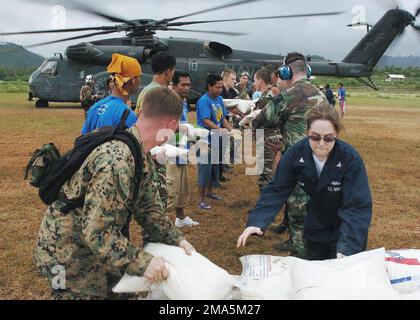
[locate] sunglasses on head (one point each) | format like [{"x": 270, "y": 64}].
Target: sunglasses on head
[{"x": 327, "y": 139}]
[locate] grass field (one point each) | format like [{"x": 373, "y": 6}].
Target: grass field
[{"x": 385, "y": 128}]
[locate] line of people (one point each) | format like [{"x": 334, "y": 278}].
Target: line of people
[{"x": 320, "y": 179}]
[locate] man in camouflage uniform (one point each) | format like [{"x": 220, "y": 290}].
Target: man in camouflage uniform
[
  {"x": 272, "y": 137},
  {"x": 85, "y": 248},
  {"x": 87, "y": 94},
  {"x": 287, "y": 113},
  {"x": 274, "y": 81},
  {"x": 242, "y": 86}
]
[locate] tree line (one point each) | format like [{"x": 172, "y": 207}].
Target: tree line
[{"x": 16, "y": 73}]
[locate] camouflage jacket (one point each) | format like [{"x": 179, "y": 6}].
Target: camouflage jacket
[
  {"x": 86, "y": 93},
  {"x": 287, "y": 111},
  {"x": 265, "y": 98},
  {"x": 88, "y": 241},
  {"x": 242, "y": 92}
]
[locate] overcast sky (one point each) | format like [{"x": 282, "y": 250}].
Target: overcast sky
[{"x": 325, "y": 36}]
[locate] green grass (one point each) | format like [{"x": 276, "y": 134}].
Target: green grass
[
  {"x": 13, "y": 86},
  {"x": 409, "y": 86},
  {"x": 387, "y": 100}
]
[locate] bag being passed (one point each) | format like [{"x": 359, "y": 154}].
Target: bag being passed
[
  {"x": 243, "y": 106},
  {"x": 190, "y": 277}
]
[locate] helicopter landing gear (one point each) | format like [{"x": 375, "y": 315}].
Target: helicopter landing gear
[{"x": 41, "y": 104}]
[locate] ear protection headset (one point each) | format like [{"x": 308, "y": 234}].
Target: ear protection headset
[{"x": 286, "y": 72}]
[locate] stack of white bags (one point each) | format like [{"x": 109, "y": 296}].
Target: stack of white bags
[{"x": 370, "y": 275}]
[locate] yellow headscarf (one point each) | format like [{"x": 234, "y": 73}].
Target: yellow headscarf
[{"x": 122, "y": 69}]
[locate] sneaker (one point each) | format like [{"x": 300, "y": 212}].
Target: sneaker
[
  {"x": 204, "y": 206},
  {"x": 223, "y": 179},
  {"x": 214, "y": 197},
  {"x": 186, "y": 222}
]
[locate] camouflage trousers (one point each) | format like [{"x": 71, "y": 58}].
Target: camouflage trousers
[
  {"x": 296, "y": 206},
  {"x": 269, "y": 154}
]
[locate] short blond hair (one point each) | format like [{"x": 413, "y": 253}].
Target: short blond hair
[{"x": 227, "y": 73}]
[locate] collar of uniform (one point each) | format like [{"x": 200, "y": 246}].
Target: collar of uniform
[
  {"x": 147, "y": 158},
  {"x": 333, "y": 168},
  {"x": 303, "y": 80},
  {"x": 306, "y": 161},
  {"x": 134, "y": 132}
]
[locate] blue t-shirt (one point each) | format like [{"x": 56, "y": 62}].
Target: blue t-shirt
[
  {"x": 342, "y": 94},
  {"x": 107, "y": 112},
  {"x": 212, "y": 109}
]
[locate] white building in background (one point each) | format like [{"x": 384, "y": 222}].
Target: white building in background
[{"x": 395, "y": 77}]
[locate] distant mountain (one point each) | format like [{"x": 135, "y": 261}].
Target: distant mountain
[
  {"x": 12, "y": 55},
  {"x": 401, "y": 62}
]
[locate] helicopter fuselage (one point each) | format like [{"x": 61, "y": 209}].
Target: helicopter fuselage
[{"x": 60, "y": 78}]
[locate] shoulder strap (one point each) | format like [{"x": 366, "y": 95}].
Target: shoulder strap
[
  {"x": 130, "y": 140},
  {"x": 124, "y": 118}
]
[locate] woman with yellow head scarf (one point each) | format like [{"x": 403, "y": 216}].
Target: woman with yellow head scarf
[{"x": 125, "y": 75}]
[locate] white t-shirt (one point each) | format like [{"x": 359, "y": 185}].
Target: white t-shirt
[{"x": 319, "y": 164}]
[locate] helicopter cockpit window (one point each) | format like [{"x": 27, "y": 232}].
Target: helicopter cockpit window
[{"x": 50, "y": 68}]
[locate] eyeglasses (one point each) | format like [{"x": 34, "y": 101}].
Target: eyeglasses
[{"x": 327, "y": 139}]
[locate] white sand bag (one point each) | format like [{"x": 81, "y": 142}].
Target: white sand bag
[
  {"x": 244, "y": 106},
  {"x": 190, "y": 277},
  {"x": 264, "y": 278},
  {"x": 248, "y": 119},
  {"x": 170, "y": 152},
  {"x": 195, "y": 131},
  {"x": 403, "y": 268},
  {"x": 358, "y": 277}
]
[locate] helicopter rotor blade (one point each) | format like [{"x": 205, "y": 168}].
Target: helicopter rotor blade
[
  {"x": 81, "y": 7},
  {"x": 57, "y": 30},
  {"x": 204, "y": 31},
  {"x": 87, "y": 9},
  {"x": 232, "y": 4},
  {"x": 72, "y": 38},
  {"x": 177, "y": 24}
]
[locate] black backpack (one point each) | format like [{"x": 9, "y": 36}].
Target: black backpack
[{"x": 50, "y": 171}]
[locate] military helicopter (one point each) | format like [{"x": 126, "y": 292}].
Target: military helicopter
[{"x": 60, "y": 78}]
